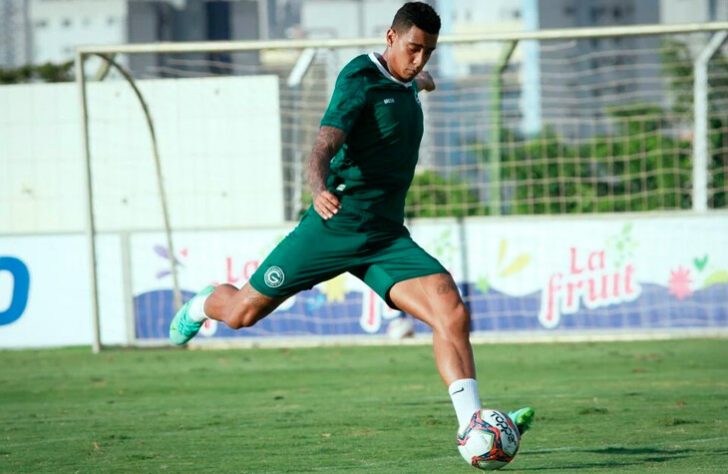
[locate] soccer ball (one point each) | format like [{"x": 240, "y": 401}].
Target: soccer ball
[
  {"x": 490, "y": 441},
  {"x": 401, "y": 327}
]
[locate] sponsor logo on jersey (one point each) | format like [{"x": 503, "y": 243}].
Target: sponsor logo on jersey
[
  {"x": 274, "y": 277},
  {"x": 389, "y": 100}
]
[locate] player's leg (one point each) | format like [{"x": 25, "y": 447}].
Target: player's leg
[
  {"x": 313, "y": 252},
  {"x": 410, "y": 279},
  {"x": 225, "y": 303},
  {"x": 240, "y": 308},
  {"x": 435, "y": 300},
  {"x": 414, "y": 281}
]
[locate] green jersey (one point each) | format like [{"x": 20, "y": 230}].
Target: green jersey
[{"x": 382, "y": 118}]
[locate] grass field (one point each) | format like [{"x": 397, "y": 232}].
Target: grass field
[{"x": 627, "y": 406}]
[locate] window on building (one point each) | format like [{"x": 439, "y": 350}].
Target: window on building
[
  {"x": 110, "y": 20},
  {"x": 596, "y": 14},
  {"x": 41, "y": 24},
  {"x": 66, "y": 23}
]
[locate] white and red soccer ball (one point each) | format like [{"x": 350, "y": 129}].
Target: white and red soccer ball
[
  {"x": 400, "y": 328},
  {"x": 490, "y": 441}
]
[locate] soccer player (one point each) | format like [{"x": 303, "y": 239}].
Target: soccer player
[{"x": 360, "y": 168}]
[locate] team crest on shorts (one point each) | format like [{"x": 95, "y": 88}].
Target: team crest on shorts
[{"x": 274, "y": 277}]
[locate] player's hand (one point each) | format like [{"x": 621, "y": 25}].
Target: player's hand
[
  {"x": 424, "y": 81},
  {"x": 326, "y": 204}
]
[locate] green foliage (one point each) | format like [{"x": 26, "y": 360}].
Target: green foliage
[
  {"x": 47, "y": 72},
  {"x": 639, "y": 166},
  {"x": 432, "y": 195},
  {"x": 677, "y": 65},
  {"x": 635, "y": 168},
  {"x": 16, "y": 76}
]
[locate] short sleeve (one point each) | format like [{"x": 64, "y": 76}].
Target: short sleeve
[{"x": 346, "y": 104}]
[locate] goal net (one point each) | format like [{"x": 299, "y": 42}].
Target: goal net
[{"x": 570, "y": 125}]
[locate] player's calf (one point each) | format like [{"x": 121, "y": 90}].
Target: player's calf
[{"x": 239, "y": 308}]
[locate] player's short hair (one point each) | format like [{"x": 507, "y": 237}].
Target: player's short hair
[{"x": 417, "y": 14}]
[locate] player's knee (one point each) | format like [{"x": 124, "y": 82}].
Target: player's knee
[
  {"x": 460, "y": 319},
  {"x": 455, "y": 322}
]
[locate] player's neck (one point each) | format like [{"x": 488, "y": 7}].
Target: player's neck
[{"x": 382, "y": 58}]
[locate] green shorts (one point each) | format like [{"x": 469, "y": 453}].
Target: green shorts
[{"x": 375, "y": 250}]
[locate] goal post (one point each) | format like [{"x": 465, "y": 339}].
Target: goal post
[{"x": 579, "y": 122}]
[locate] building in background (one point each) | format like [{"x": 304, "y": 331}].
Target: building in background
[
  {"x": 40, "y": 31},
  {"x": 693, "y": 11},
  {"x": 15, "y": 34},
  {"x": 59, "y": 26},
  {"x": 194, "y": 20},
  {"x": 580, "y": 81}
]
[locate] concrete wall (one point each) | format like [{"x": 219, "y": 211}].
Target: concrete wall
[{"x": 219, "y": 144}]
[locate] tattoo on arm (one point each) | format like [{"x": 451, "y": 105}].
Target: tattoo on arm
[{"x": 328, "y": 142}]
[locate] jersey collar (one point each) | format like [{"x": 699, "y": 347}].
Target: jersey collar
[{"x": 375, "y": 60}]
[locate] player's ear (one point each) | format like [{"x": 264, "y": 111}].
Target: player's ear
[{"x": 391, "y": 37}]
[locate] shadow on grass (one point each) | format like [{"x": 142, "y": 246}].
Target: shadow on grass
[
  {"x": 618, "y": 457},
  {"x": 643, "y": 450}
]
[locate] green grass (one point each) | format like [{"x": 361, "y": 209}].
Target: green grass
[{"x": 627, "y": 406}]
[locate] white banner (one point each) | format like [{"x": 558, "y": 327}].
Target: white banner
[
  {"x": 45, "y": 291},
  {"x": 531, "y": 275}
]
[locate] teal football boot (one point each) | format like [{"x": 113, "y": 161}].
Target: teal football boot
[
  {"x": 182, "y": 328},
  {"x": 522, "y": 418}
]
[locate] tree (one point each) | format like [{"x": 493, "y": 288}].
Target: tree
[
  {"x": 637, "y": 167},
  {"x": 432, "y": 195},
  {"x": 47, "y": 72}
]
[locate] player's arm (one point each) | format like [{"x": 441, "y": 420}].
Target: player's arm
[
  {"x": 424, "y": 82},
  {"x": 328, "y": 142}
]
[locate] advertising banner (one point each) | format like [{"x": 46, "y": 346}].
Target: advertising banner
[
  {"x": 45, "y": 291},
  {"x": 529, "y": 275}
]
